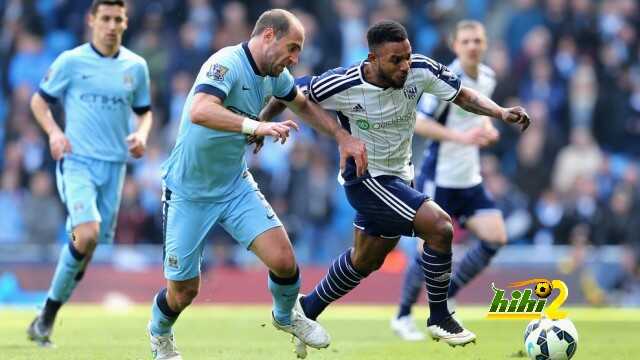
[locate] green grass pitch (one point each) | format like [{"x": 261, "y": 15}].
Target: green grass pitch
[{"x": 90, "y": 332}]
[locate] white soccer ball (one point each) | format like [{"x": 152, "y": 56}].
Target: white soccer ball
[{"x": 546, "y": 339}]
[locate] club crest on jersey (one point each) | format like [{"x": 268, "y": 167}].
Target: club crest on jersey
[
  {"x": 217, "y": 72},
  {"x": 128, "y": 81},
  {"x": 410, "y": 91},
  {"x": 172, "y": 261}
]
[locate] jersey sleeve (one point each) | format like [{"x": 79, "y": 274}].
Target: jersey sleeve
[
  {"x": 437, "y": 79},
  {"x": 141, "y": 96},
  {"x": 323, "y": 89},
  {"x": 302, "y": 83},
  {"x": 217, "y": 76},
  {"x": 285, "y": 88},
  {"x": 57, "y": 79}
]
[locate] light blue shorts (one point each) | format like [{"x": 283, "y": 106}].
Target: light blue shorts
[
  {"x": 187, "y": 222},
  {"x": 91, "y": 190}
]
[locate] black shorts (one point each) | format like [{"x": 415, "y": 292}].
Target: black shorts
[{"x": 386, "y": 205}]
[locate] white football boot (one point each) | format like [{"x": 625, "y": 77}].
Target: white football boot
[
  {"x": 406, "y": 329},
  {"x": 450, "y": 332},
  {"x": 163, "y": 347},
  {"x": 308, "y": 331}
]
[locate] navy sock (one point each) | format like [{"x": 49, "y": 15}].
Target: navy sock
[
  {"x": 413, "y": 280},
  {"x": 436, "y": 267},
  {"x": 475, "y": 260},
  {"x": 340, "y": 279}
]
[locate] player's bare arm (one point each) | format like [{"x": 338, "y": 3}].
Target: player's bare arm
[
  {"x": 429, "y": 128},
  {"x": 137, "y": 140},
  {"x": 207, "y": 111},
  {"x": 477, "y": 103},
  {"x": 348, "y": 145},
  {"x": 58, "y": 142}
]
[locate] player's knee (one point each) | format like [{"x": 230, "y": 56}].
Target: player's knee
[
  {"x": 495, "y": 238},
  {"x": 284, "y": 265},
  {"x": 499, "y": 240},
  {"x": 443, "y": 229},
  {"x": 85, "y": 238}
]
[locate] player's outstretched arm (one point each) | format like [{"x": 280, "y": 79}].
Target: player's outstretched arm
[
  {"x": 477, "y": 103},
  {"x": 58, "y": 142},
  {"x": 207, "y": 111},
  {"x": 431, "y": 129},
  {"x": 348, "y": 145},
  {"x": 137, "y": 140}
]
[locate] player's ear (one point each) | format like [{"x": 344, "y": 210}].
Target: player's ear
[
  {"x": 90, "y": 19},
  {"x": 268, "y": 35},
  {"x": 372, "y": 57}
]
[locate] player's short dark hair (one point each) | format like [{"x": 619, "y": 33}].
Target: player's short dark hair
[
  {"x": 277, "y": 19},
  {"x": 385, "y": 31},
  {"x": 95, "y": 3}
]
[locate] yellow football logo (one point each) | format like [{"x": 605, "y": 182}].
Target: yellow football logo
[{"x": 543, "y": 289}]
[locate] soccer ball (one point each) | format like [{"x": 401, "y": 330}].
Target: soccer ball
[
  {"x": 546, "y": 339},
  {"x": 543, "y": 289}
]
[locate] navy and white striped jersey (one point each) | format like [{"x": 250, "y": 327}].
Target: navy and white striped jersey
[
  {"x": 383, "y": 118},
  {"x": 450, "y": 164}
]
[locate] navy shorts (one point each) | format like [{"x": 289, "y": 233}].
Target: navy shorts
[
  {"x": 461, "y": 203},
  {"x": 386, "y": 206}
]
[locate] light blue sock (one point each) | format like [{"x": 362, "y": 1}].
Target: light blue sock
[
  {"x": 284, "y": 292},
  {"x": 64, "y": 279},
  {"x": 162, "y": 317}
]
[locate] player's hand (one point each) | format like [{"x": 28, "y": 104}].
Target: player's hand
[
  {"x": 278, "y": 130},
  {"x": 258, "y": 140},
  {"x": 137, "y": 144},
  {"x": 352, "y": 147},
  {"x": 58, "y": 145},
  {"x": 516, "y": 115}
]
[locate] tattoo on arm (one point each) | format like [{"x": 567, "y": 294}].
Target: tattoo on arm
[{"x": 476, "y": 103}]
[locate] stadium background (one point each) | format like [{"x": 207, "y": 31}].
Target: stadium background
[{"x": 568, "y": 187}]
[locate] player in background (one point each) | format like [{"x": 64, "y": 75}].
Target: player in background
[
  {"x": 450, "y": 174},
  {"x": 376, "y": 101},
  {"x": 99, "y": 84},
  {"x": 207, "y": 181}
]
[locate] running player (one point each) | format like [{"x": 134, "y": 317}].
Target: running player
[
  {"x": 450, "y": 174},
  {"x": 207, "y": 181},
  {"x": 99, "y": 84},
  {"x": 376, "y": 101}
]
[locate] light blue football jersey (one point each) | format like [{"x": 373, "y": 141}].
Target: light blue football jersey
[
  {"x": 98, "y": 94},
  {"x": 210, "y": 164}
]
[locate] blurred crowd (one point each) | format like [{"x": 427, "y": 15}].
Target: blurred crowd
[{"x": 572, "y": 178}]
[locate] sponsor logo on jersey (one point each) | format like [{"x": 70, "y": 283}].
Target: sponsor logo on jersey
[
  {"x": 47, "y": 76},
  {"x": 358, "y": 108},
  {"x": 396, "y": 122},
  {"x": 107, "y": 102},
  {"x": 363, "y": 124}
]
